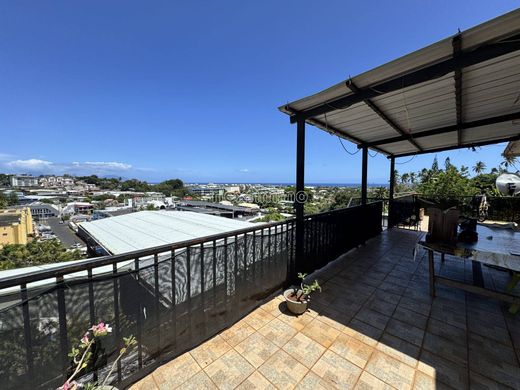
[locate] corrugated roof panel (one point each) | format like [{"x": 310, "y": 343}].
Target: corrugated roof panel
[
  {"x": 491, "y": 132},
  {"x": 489, "y": 89},
  {"x": 401, "y": 147},
  {"x": 146, "y": 229}
]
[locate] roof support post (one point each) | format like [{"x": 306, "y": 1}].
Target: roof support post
[
  {"x": 364, "y": 173},
  {"x": 299, "y": 196},
  {"x": 456, "y": 43},
  {"x": 391, "y": 192}
]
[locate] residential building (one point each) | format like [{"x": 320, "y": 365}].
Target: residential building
[
  {"x": 16, "y": 225},
  {"x": 78, "y": 208},
  {"x": 24, "y": 181}
]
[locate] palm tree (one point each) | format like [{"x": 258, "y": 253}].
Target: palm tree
[
  {"x": 494, "y": 170},
  {"x": 413, "y": 177},
  {"x": 509, "y": 161},
  {"x": 405, "y": 177},
  {"x": 479, "y": 167}
]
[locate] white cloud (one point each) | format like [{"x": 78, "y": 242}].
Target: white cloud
[
  {"x": 108, "y": 165},
  {"x": 30, "y": 164},
  {"x": 38, "y": 166},
  {"x": 244, "y": 170}
]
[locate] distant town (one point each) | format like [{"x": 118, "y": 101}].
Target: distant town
[{"x": 53, "y": 213}]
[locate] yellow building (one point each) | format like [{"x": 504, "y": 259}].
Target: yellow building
[{"x": 16, "y": 225}]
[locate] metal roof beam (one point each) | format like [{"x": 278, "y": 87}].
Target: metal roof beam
[
  {"x": 343, "y": 134},
  {"x": 456, "y": 43},
  {"x": 470, "y": 145},
  {"x": 431, "y": 72},
  {"x": 350, "y": 84},
  {"x": 449, "y": 129}
]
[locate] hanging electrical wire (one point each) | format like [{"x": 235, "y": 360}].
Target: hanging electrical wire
[
  {"x": 375, "y": 154},
  {"x": 406, "y": 162},
  {"x": 341, "y": 142},
  {"x": 339, "y": 139}
]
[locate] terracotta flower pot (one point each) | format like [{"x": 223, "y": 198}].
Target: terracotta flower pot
[{"x": 294, "y": 305}]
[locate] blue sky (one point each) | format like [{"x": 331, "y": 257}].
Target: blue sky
[{"x": 167, "y": 89}]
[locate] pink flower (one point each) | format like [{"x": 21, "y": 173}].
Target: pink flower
[
  {"x": 101, "y": 329},
  {"x": 66, "y": 386},
  {"x": 84, "y": 339}
]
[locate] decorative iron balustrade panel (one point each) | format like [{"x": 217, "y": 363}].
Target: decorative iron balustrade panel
[
  {"x": 329, "y": 235},
  {"x": 170, "y": 298},
  {"x": 171, "y": 301}
]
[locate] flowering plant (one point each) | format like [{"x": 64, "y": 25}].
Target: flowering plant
[{"x": 82, "y": 354}]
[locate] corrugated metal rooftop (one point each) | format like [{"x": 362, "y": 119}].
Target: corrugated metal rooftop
[
  {"x": 146, "y": 229},
  {"x": 462, "y": 91}
]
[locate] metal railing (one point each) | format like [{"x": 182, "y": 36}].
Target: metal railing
[{"x": 171, "y": 298}]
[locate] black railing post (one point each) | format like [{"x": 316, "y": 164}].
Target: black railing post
[
  {"x": 299, "y": 197},
  {"x": 27, "y": 334},
  {"x": 364, "y": 174},
  {"x": 391, "y": 192}
]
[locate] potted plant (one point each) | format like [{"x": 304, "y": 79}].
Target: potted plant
[
  {"x": 297, "y": 298},
  {"x": 82, "y": 356}
]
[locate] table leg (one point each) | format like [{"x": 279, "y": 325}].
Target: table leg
[
  {"x": 513, "y": 309},
  {"x": 442, "y": 257},
  {"x": 431, "y": 266}
]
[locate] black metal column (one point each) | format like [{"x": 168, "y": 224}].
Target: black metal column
[
  {"x": 364, "y": 173},
  {"x": 299, "y": 200},
  {"x": 391, "y": 190}
]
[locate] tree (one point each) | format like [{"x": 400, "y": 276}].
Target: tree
[
  {"x": 479, "y": 167},
  {"x": 509, "y": 161},
  {"x": 435, "y": 165},
  {"x": 447, "y": 187},
  {"x": 447, "y": 163},
  {"x": 35, "y": 253}
]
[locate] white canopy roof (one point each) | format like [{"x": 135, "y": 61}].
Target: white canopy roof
[{"x": 462, "y": 91}]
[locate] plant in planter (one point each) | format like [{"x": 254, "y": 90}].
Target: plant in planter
[
  {"x": 297, "y": 298},
  {"x": 82, "y": 356}
]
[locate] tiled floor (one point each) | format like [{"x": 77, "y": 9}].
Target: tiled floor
[{"x": 374, "y": 326}]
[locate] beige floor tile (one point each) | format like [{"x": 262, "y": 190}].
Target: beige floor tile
[
  {"x": 312, "y": 381},
  {"x": 209, "y": 351},
  {"x": 443, "y": 370},
  {"x": 445, "y": 348},
  {"x": 478, "y": 381},
  {"x": 405, "y": 331},
  {"x": 336, "y": 371},
  {"x": 283, "y": 371},
  {"x": 321, "y": 332},
  {"x": 275, "y": 306},
  {"x": 297, "y": 322},
  {"x": 197, "y": 382},
  {"x": 391, "y": 370},
  {"x": 363, "y": 332},
  {"x": 229, "y": 370},
  {"x": 256, "y": 349},
  {"x": 256, "y": 381},
  {"x": 304, "y": 349},
  {"x": 147, "y": 383},
  {"x": 352, "y": 349},
  {"x": 278, "y": 332},
  {"x": 333, "y": 320},
  {"x": 399, "y": 349},
  {"x": 176, "y": 372},
  {"x": 237, "y": 333},
  {"x": 373, "y": 318},
  {"x": 370, "y": 382},
  {"x": 424, "y": 382},
  {"x": 259, "y": 318}
]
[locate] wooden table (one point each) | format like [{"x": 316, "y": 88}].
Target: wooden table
[{"x": 502, "y": 250}]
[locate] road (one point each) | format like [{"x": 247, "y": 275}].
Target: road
[{"x": 65, "y": 234}]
